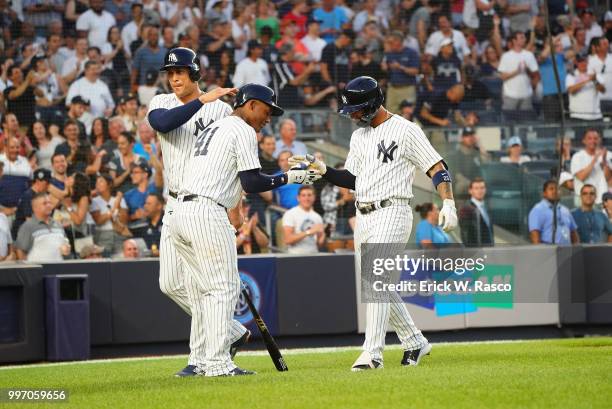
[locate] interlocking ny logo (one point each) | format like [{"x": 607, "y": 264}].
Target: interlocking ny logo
[
  {"x": 386, "y": 152},
  {"x": 172, "y": 58}
]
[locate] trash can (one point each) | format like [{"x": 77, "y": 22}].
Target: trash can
[{"x": 67, "y": 316}]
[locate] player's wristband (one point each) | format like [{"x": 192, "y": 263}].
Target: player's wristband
[{"x": 441, "y": 176}]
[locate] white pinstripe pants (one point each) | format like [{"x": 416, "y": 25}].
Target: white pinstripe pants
[
  {"x": 174, "y": 280},
  {"x": 388, "y": 225}
]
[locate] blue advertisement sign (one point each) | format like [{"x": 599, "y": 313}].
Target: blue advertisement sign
[{"x": 258, "y": 277}]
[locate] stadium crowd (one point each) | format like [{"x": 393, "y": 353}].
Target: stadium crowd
[{"x": 81, "y": 169}]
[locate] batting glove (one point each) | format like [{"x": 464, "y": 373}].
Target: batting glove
[
  {"x": 303, "y": 176},
  {"x": 310, "y": 161},
  {"x": 448, "y": 215}
]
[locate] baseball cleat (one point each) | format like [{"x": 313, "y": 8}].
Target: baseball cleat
[
  {"x": 413, "y": 356},
  {"x": 189, "y": 370},
  {"x": 239, "y": 343},
  {"x": 373, "y": 364},
  {"x": 366, "y": 362},
  {"x": 239, "y": 372}
]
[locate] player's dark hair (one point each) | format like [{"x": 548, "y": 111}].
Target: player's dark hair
[{"x": 424, "y": 208}]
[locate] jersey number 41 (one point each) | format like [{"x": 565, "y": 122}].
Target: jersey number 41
[{"x": 201, "y": 145}]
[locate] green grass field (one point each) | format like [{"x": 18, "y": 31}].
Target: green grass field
[{"x": 570, "y": 373}]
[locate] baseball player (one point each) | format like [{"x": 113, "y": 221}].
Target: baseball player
[
  {"x": 224, "y": 162},
  {"x": 383, "y": 155},
  {"x": 178, "y": 118}
]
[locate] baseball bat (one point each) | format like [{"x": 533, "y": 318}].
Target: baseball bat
[{"x": 275, "y": 354}]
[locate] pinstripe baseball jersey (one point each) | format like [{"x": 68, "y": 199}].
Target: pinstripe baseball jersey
[
  {"x": 384, "y": 159},
  {"x": 223, "y": 149},
  {"x": 177, "y": 145}
]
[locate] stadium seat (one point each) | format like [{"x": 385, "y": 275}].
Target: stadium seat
[
  {"x": 539, "y": 166},
  {"x": 505, "y": 191}
]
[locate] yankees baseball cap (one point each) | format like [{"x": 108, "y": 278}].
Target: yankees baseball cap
[
  {"x": 405, "y": 103},
  {"x": 143, "y": 166},
  {"x": 42, "y": 174},
  {"x": 606, "y": 196},
  {"x": 254, "y": 44},
  {"x": 128, "y": 97}
]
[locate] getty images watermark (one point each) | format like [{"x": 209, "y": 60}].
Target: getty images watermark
[{"x": 396, "y": 273}]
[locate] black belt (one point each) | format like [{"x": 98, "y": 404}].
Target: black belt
[
  {"x": 173, "y": 194},
  {"x": 192, "y": 198},
  {"x": 365, "y": 208}
]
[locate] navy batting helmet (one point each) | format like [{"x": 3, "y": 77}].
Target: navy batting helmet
[
  {"x": 183, "y": 57},
  {"x": 260, "y": 93},
  {"x": 361, "y": 94}
]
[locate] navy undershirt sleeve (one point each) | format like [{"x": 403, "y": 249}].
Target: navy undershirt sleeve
[
  {"x": 165, "y": 120},
  {"x": 342, "y": 178},
  {"x": 253, "y": 181}
]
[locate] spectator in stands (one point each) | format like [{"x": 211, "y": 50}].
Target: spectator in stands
[
  {"x": 286, "y": 195},
  {"x": 149, "y": 89},
  {"x": 14, "y": 163},
  {"x": 515, "y": 152},
  {"x": 466, "y": 161},
  {"x": 402, "y": 65},
  {"x": 287, "y": 131},
  {"x": 149, "y": 56},
  {"x": 128, "y": 105},
  {"x": 120, "y": 166},
  {"x": 73, "y": 141},
  {"x": 51, "y": 90},
  {"x": 335, "y": 59},
  {"x": 606, "y": 199},
  {"x": 300, "y": 52},
  {"x": 41, "y": 238},
  {"x": 59, "y": 176},
  {"x": 420, "y": 20},
  {"x": 435, "y": 111},
  {"x": 44, "y": 143},
  {"x": 518, "y": 69},
  {"x": 253, "y": 69},
  {"x": 585, "y": 88},
  {"x": 75, "y": 63},
  {"x": 542, "y": 216},
  {"x": 40, "y": 184},
  {"x": 298, "y": 15},
  {"x": 129, "y": 32},
  {"x": 338, "y": 206},
  {"x": 266, "y": 17},
  {"x": 116, "y": 128},
  {"x": 146, "y": 141},
  {"x": 589, "y": 22},
  {"x": 446, "y": 67},
  {"x": 154, "y": 212},
  {"x": 91, "y": 251},
  {"x": 550, "y": 98},
  {"x": 242, "y": 30},
  {"x": 11, "y": 129},
  {"x": 286, "y": 81},
  {"x": 474, "y": 220},
  {"x": 593, "y": 226},
  {"x": 7, "y": 252},
  {"x": 407, "y": 111},
  {"x": 130, "y": 249},
  {"x": 490, "y": 63},
  {"x": 303, "y": 228},
  {"x": 135, "y": 198},
  {"x": 600, "y": 62},
  {"x": 428, "y": 233},
  {"x": 94, "y": 90},
  {"x": 267, "y": 146},
  {"x": 443, "y": 35},
  {"x": 21, "y": 95},
  {"x": 591, "y": 165},
  {"x": 520, "y": 13},
  {"x": 95, "y": 23},
  {"x": 332, "y": 19},
  {"x": 251, "y": 237},
  {"x": 73, "y": 211},
  {"x": 110, "y": 214},
  {"x": 99, "y": 134},
  {"x": 313, "y": 41}
]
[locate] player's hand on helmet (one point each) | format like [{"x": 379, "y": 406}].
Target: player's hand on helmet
[
  {"x": 310, "y": 161},
  {"x": 217, "y": 93},
  {"x": 448, "y": 215},
  {"x": 303, "y": 176}
]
